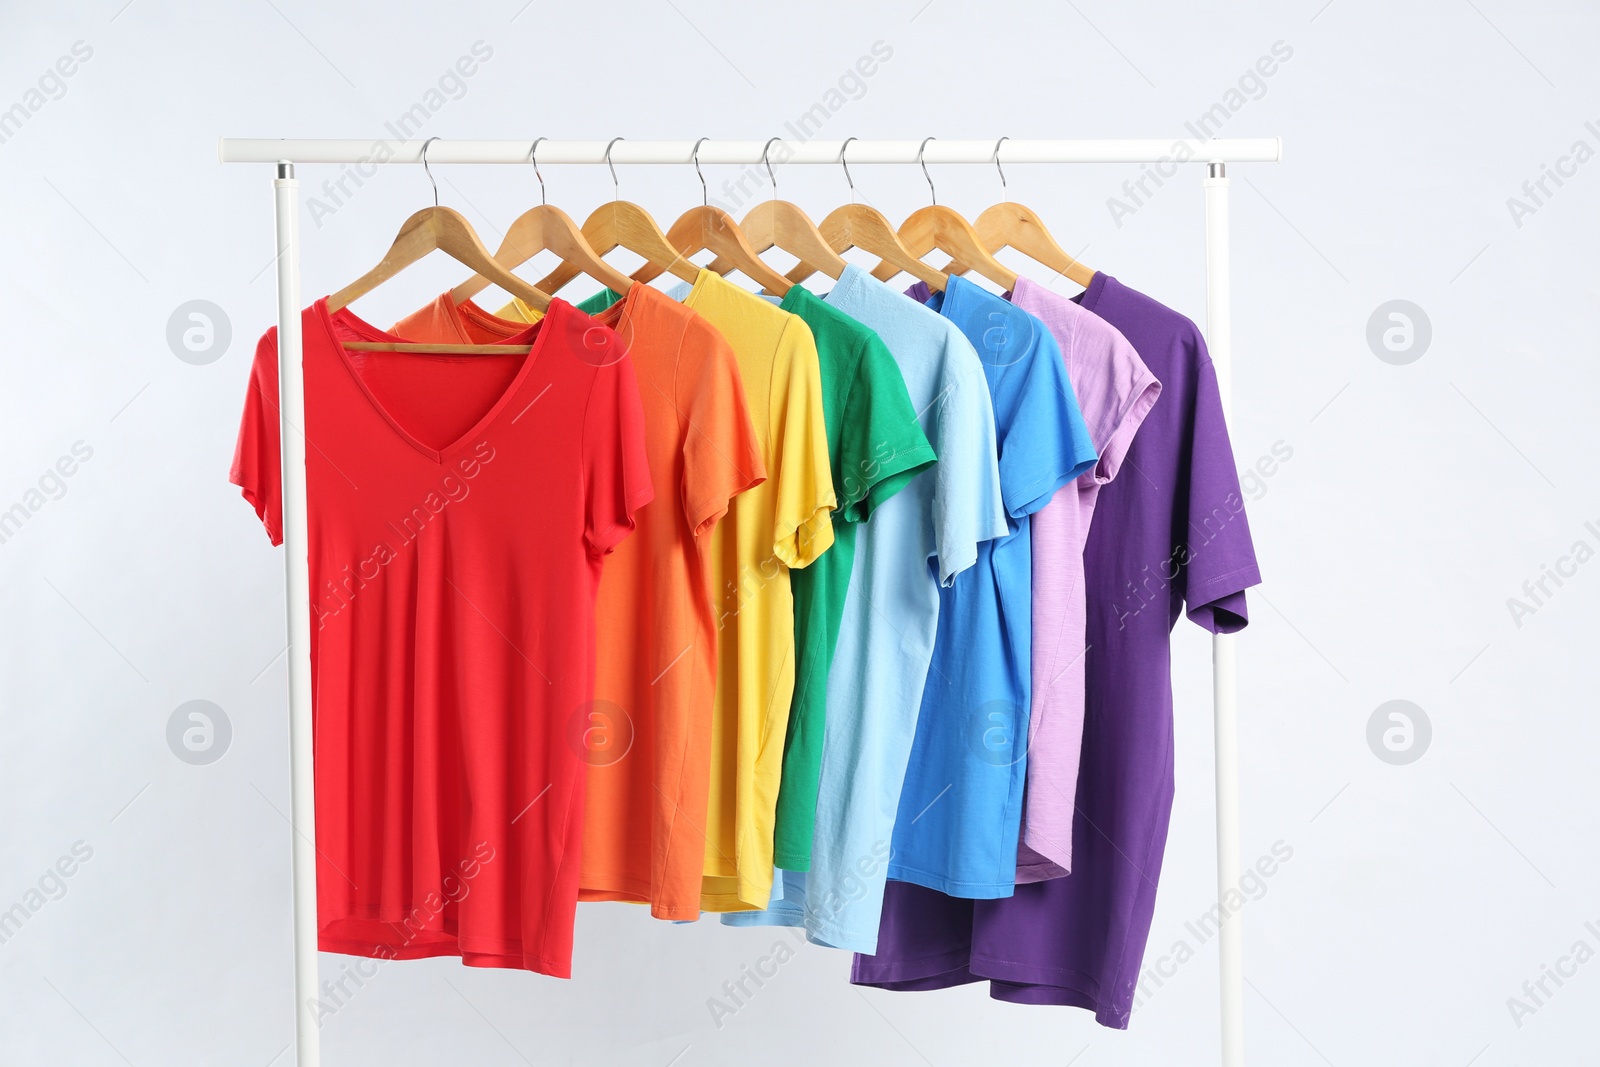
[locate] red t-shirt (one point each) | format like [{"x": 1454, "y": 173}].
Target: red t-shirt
[{"x": 460, "y": 508}]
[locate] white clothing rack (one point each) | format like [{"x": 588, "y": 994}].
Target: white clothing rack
[{"x": 285, "y": 154}]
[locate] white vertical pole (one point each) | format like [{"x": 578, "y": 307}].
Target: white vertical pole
[
  {"x": 1224, "y": 663},
  {"x": 296, "y": 542}
]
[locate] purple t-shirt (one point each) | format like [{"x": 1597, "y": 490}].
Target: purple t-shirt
[{"x": 1173, "y": 538}]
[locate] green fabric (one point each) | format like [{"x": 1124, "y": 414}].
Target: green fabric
[
  {"x": 875, "y": 446},
  {"x": 593, "y": 305}
]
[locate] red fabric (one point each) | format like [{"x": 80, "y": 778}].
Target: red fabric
[{"x": 460, "y": 509}]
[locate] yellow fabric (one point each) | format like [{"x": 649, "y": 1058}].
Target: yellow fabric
[
  {"x": 783, "y": 522},
  {"x": 517, "y": 311}
]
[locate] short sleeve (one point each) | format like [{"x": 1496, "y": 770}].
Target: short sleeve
[
  {"x": 881, "y": 444},
  {"x": 1115, "y": 392},
  {"x": 967, "y": 507},
  {"x": 1045, "y": 444},
  {"x": 803, "y": 524},
  {"x": 1218, "y": 559},
  {"x": 721, "y": 452},
  {"x": 257, "y": 466},
  {"x": 615, "y": 465}
]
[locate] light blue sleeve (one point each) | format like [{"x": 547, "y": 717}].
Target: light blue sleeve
[
  {"x": 968, "y": 507},
  {"x": 1046, "y": 443}
]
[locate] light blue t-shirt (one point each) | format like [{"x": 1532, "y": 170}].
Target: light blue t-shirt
[
  {"x": 961, "y": 803},
  {"x": 922, "y": 538}
]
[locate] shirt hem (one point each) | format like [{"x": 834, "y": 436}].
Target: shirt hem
[
  {"x": 799, "y": 862},
  {"x": 952, "y": 887},
  {"x": 1052, "y": 986},
  {"x": 821, "y": 934},
  {"x": 748, "y": 895},
  {"x": 1041, "y": 872},
  {"x": 635, "y": 895},
  {"x": 504, "y": 956},
  {"x": 929, "y": 972},
  {"x": 772, "y": 916}
]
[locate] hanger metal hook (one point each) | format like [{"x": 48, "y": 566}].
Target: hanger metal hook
[
  {"x": 771, "y": 177},
  {"x": 1005, "y": 190},
  {"x": 616, "y": 189},
  {"x": 845, "y": 163},
  {"x": 694, "y": 157},
  {"x": 920, "y": 149},
  {"x": 429, "y": 170},
  {"x": 533, "y": 157}
]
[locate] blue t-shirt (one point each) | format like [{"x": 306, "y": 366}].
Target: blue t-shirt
[
  {"x": 918, "y": 540},
  {"x": 961, "y": 802}
]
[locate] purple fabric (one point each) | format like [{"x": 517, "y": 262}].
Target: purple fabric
[{"x": 1169, "y": 535}]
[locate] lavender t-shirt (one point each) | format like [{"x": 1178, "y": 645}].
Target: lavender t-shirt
[
  {"x": 1115, "y": 391},
  {"x": 1172, "y": 539}
]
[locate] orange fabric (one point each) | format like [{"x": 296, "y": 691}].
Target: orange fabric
[
  {"x": 443, "y": 321},
  {"x": 647, "y": 733}
]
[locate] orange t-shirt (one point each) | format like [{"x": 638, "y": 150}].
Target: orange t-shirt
[{"x": 647, "y": 734}]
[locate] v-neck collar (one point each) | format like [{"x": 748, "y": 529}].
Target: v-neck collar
[{"x": 534, "y": 336}]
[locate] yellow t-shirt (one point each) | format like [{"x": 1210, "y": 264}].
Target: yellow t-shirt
[{"x": 784, "y": 522}]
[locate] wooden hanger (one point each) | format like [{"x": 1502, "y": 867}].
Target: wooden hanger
[
  {"x": 779, "y": 224},
  {"x": 937, "y": 226},
  {"x": 445, "y": 230},
  {"x": 856, "y": 225},
  {"x": 713, "y": 229},
  {"x": 1011, "y": 225},
  {"x": 538, "y": 229},
  {"x": 621, "y": 224}
]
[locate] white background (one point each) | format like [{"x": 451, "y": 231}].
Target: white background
[{"x": 1418, "y": 498}]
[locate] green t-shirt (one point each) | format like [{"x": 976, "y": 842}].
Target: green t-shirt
[{"x": 875, "y": 446}]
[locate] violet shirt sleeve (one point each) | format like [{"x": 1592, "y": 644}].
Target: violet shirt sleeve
[{"x": 1216, "y": 556}]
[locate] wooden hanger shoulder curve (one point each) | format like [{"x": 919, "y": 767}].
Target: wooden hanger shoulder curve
[
  {"x": 540, "y": 228},
  {"x": 783, "y": 225},
  {"x": 1012, "y": 225},
  {"x": 937, "y": 226},
  {"x": 623, "y": 224},
  {"x": 713, "y": 229},
  {"x": 859, "y": 226},
  {"x": 446, "y": 230}
]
